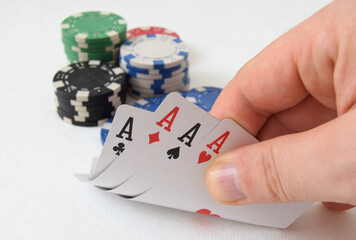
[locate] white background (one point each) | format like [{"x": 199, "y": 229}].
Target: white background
[{"x": 40, "y": 198}]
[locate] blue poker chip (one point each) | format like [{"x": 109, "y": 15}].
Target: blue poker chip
[
  {"x": 161, "y": 75},
  {"x": 160, "y": 82},
  {"x": 203, "y": 97},
  {"x": 152, "y": 74},
  {"x": 159, "y": 89},
  {"x": 137, "y": 93},
  {"x": 136, "y": 70},
  {"x": 149, "y": 104},
  {"x": 105, "y": 130}
]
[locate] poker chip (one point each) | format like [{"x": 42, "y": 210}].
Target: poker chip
[
  {"x": 93, "y": 36},
  {"x": 150, "y": 30},
  {"x": 82, "y": 124},
  {"x": 157, "y": 64},
  {"x": 159, "y": 85},
  {"x": 149, "y": 104},
  {"x": 139, "y": 94},
  {"x": 89, "y": 92},
  {"x": 99, "y": 50},
  {"x": 154, "y": 51},
  {"x": 85, "y": 56},
  {"x": 101, "y": 47},
  {"x": 89, "y": 80},
  {"x": 88, "y": 117},
  {"x": 94, "y": 27},
  {"x": 120, "y": 96},
  {"x": 203, "y": 97},
  {"x": 94, "y": 108},
  {"x": 146, "y": 83},
  {"x": 153, "y": 74},
  {"x": 162, "y": 90},
  {"x": 105, "y": 130}
]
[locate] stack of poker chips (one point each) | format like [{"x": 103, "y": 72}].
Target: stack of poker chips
[
  {"x": 88, "y": 93},
  {"x": 93, "y": 35},
  {"x": 157, "y": 64}
]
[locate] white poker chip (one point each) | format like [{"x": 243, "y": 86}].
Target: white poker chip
[
  {"x": 157, "y": 85},
  {"x": 178, "y": 87},
  {"x": 146, "y": 92},
  {"x": 84, "y": 56},
  {"x": 154, "y": 51},
  {"x": 153, "y": 74},
  {"x": 165, "y": 81}
]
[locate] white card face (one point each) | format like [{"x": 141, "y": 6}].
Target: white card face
[
  {"x": 188, "y": 135},
  {"x": 126, "y": 123},
  {"x": 185, "y": 187},
  {"x": 168, "y": 116},
  {"x": 94, "y": 163}
]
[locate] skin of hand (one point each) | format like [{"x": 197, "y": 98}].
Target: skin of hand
[{"x": 298, "y": 97}]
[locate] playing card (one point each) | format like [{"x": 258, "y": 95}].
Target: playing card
[
  {"x": 94, "y": 163},
  {"x": 184, "y": 187},
  {"x": 165, "y": 120},
  {"x": 126, "y": 123},
  {"x": 188, "y": 135}
]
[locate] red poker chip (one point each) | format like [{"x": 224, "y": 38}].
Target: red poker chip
[{"x": 150, "y": 30}]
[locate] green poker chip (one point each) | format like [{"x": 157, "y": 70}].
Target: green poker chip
[
  {"x": 74, "y": 60},
  {"x": 94, "y": 27},
  {"x": 75, "y": 57},
  {"x": 104, "y": 53},
  {"x": 93, "y": 50},
  {"x": 91, "y": 47}
]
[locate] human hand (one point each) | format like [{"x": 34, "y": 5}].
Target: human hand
[{"x": 298, "y": 96}]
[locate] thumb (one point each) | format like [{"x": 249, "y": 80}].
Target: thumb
[{"x": 316, "y": 165}]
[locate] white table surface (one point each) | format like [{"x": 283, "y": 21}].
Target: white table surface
[{"x": 40, "y": 198}]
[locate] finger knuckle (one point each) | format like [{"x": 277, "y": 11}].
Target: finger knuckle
[{"x": 271, "y": 180}]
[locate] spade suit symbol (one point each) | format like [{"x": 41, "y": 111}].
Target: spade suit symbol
[{"x": 173, "y": 153}]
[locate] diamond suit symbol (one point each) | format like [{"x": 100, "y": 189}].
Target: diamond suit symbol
[{"x": 153, "y": 137}]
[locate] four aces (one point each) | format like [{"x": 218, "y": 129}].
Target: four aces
[
  {"x": 161, "y": 158},
  {"x": 184, "y": 139}
]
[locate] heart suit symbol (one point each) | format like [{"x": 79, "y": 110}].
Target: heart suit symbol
[
  {"x": 204, "y": 157},
  {"x": 206, "y": 212}
]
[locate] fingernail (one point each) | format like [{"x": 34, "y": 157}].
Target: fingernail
[{"x": 224, "y": 183}]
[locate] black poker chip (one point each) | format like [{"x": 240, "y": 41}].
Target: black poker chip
[
  {"x": 88, "y": 93},
  {"x": 82, "y": 124},
  {"x": 86, "y": 81},
  {"x": 84, "y": 119},
  {"x": 108, "y": 100},
  {"x": 93, "y": 108},
  {"x": 92, "y": 115}
]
